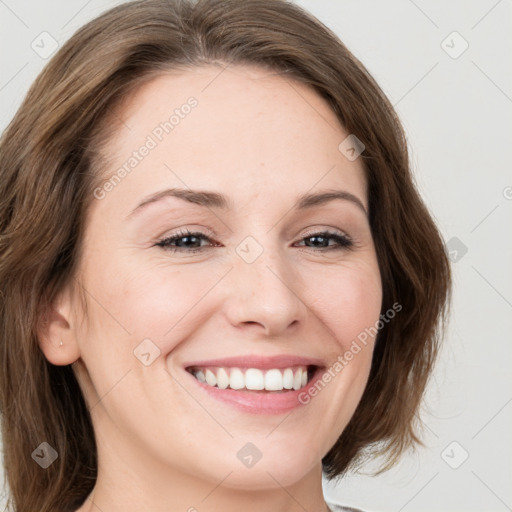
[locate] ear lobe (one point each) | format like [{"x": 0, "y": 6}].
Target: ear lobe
[{"x": 55, "y": 333}]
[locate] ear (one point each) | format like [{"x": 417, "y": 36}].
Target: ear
[{"x": 56, "y": 331}]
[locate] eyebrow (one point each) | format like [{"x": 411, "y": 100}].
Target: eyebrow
[{"x": 215, "y": 200}]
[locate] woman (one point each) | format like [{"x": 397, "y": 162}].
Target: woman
[{"x": 218, "y": 279}]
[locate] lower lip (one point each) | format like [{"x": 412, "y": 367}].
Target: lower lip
[{"x": 261, "y": 402}]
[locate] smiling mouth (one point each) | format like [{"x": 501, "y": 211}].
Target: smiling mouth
[{"x": 277, "y": 380}]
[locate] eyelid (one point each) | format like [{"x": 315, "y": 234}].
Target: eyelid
[
  {"x": 323, "y": 229},
  {"x": 210, "y": 234},
  {"x": 184, "y": 231},
  {"x": 344, "y": 242}
]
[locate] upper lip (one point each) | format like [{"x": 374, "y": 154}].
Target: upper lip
[{"x": 257, "y": 361}]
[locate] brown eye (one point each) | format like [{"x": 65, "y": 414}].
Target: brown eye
[
  {"x": 321, "y": 241},
  {"x": 184, "y": 241}
]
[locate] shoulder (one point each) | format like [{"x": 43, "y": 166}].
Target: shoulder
[{"x": 340, "y": 508}]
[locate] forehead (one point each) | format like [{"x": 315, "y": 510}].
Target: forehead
[{"x": 244, "y": 130}]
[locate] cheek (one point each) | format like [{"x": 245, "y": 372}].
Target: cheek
[
  {"x": 154, "y": 301},
  {"x": 349, "y": 302}
]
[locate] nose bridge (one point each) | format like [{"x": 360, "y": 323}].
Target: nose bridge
[{"x": 263, "y": 287}]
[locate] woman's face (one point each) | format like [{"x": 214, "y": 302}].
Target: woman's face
[{"x": 258, "y": 285}]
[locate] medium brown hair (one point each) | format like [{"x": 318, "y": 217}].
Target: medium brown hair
[{"x": 48, "y": 170}]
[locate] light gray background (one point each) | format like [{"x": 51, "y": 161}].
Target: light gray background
[{"x": 457, "y": 113}]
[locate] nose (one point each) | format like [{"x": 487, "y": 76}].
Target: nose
[{"x": 264, "y": 295}]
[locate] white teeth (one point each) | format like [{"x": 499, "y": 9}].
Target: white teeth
[
  {"x": 253, "y": 378},
  {"x": 297, "y": 379},
  {"x": 288, "y": 378},
  {"x": 222, "y": 378},
  {"x": 210, "y": 378},
  {"x": 273, "y": 380},
  {"x": 236, "y": 379},
  {"x": 304, "y": 380}
]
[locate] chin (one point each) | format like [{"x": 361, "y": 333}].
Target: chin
[
  {"x": 272, "y": 464},
  {"x": 275, "y": 474}
]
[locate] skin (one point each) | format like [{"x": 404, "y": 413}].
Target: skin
[{"x": 163, "y": 443}]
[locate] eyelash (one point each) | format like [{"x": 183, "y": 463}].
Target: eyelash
[{"x": 344, "y": 242}]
